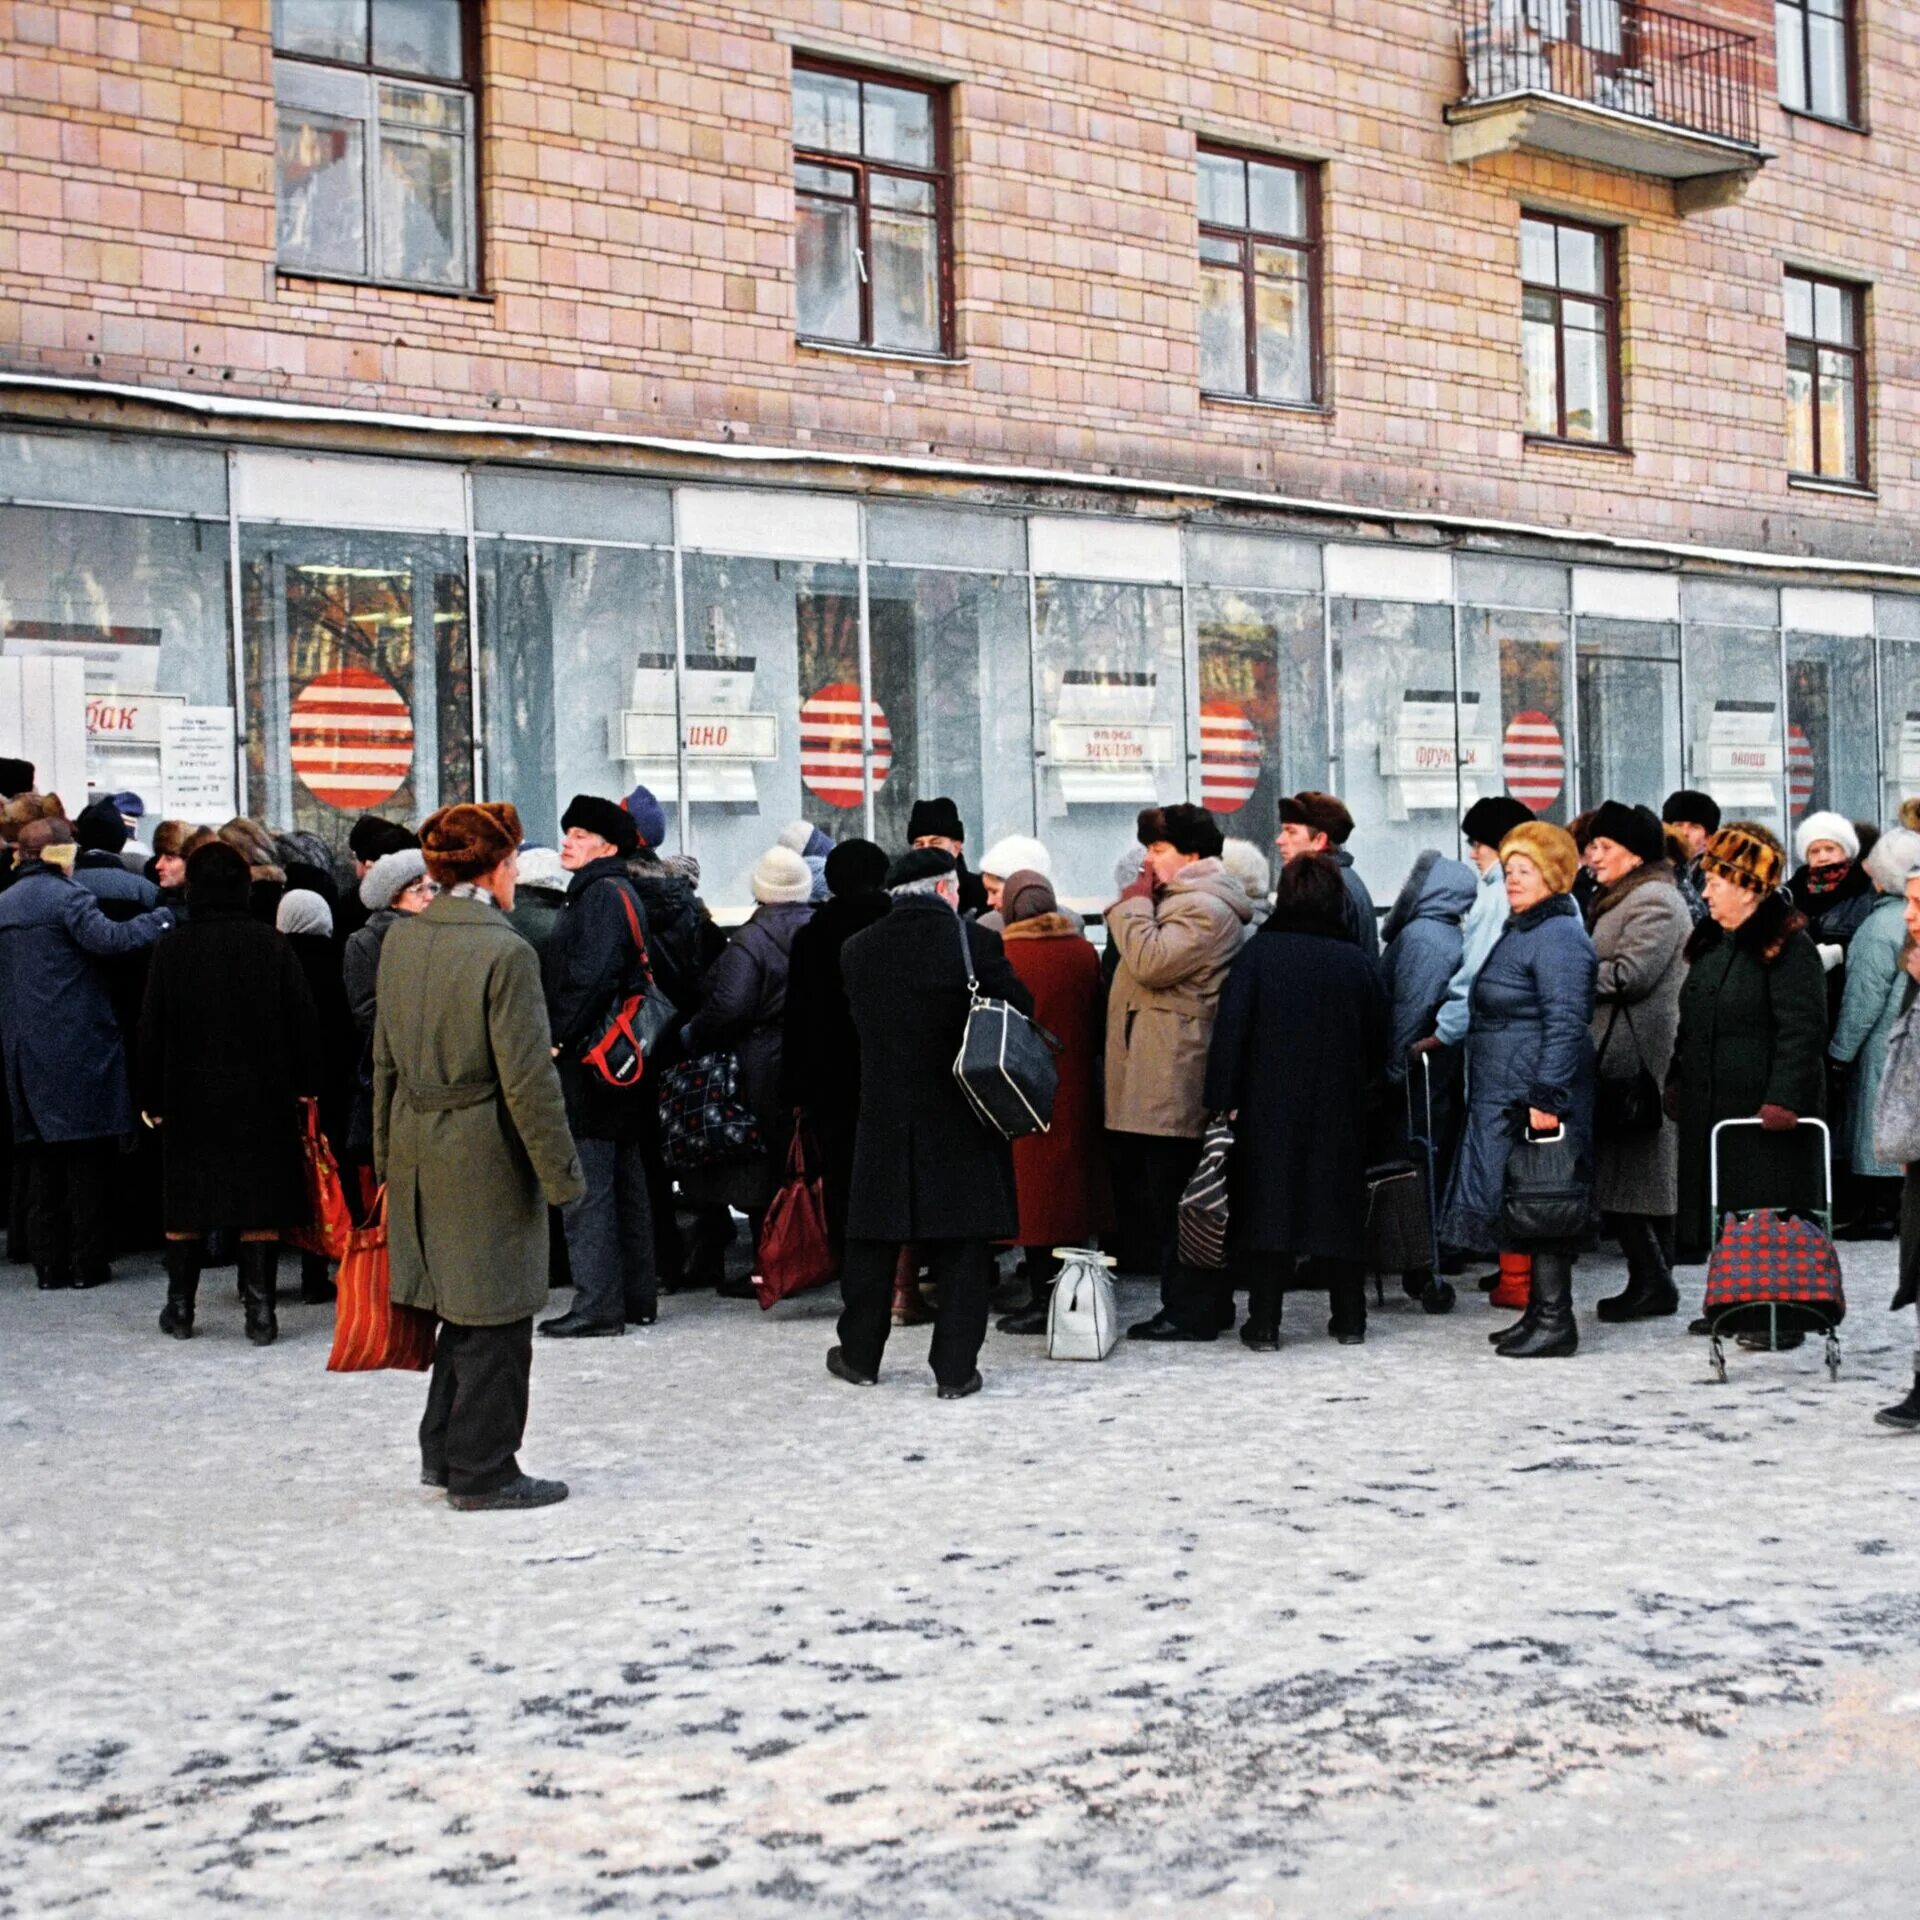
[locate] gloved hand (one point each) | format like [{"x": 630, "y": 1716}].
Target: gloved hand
[
  {"x": 1778, "y": 1119},
  {"x": 1431, "y": 1044},
  {"x": 1830, "y": 955},
  {"x": 1140, "y": 887}
]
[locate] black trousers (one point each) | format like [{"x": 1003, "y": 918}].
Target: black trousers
[
  {"x": 69, "y": 1198},
  {"x": 1162, "y": 1166},
  {"x": 1271, "y": 1276},
  {"x": 958, "y": 1268},
  {"x": 477, "y": 1405}
]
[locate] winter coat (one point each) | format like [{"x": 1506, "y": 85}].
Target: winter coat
[
  {"x": 338, "y": 1043},
  {"x": 1486, "y": 921},
  {"x": 1834, "y": 918},
  {"x": 1528, "y": 1045},
  {"x": 1753, "y": 1033},
  {"x": 820, "y": 1049},
  {"x": 1424, "y": 942},
  {"x": 535, "y": 910},
  {"x": 590, "y": 959},
  {"x": 925, "y": 1167},
  {"x": 744, "y": 1004},
  {"x": 1690, "y": 879},
  {"x": 682, "y": 941},
  {"x": 1175, "y": 949},
  {"x": 121, "y": 894},
  {"x": 1060, "y": 1176},
  {"x": 1641, "y": 927},
  {"x": 66, "y": 1064},
  {"x": 360, "y": 966},
  {"x": 1361, "y": 918},
  {"x": 229, "y": 1042},
  {"x": 469, "y": 1127},
  {"x": 1299, "y": 1044},
  {"x": 1875, "y": 991}
]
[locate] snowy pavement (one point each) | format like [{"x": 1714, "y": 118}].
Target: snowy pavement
[{"x": 1401, "y": 1629}]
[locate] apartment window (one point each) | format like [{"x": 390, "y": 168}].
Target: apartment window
[
  {"x": 1813, "y": 41},
  {"x": 374, "y": 149},
  {"x": 1826, "y": 380},
  {"x": 1259, "y": 277},
  {"x": 873, "y": 196},
  {"x": 1569, "y": 331}
]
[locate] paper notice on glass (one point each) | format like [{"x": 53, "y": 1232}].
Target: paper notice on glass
[{"x": 196, "y": 764}]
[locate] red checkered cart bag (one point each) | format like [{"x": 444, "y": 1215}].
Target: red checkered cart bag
[{"x": 1774, "y": 1268}]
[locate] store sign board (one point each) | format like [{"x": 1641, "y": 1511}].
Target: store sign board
[
  {"x": 1826, "y": 610},
  {"x": 1086, "y": 547},
  {"x": 1410, "y": 754},
  {"x": 1387, "y": 572},
  {"x": 128, "y": 720},
  {"x": 706, "y": 736},
  {"x": 196, "y": 764},
  {"x": 1622, "y": 593},
  {"x": 1076, "y": 743},
  {"x": 1724, "y": 757},
  {"x": 410, "y": 496},
  {"x": 778, "y": 526}
]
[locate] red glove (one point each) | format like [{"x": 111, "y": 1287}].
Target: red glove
[
  {"x": 1431, "y": 1044},
  {"x": 1778, "y": 1119},
  {"x": 1140, "y": 887}
]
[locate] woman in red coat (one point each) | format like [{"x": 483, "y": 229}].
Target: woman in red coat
[{"x": 1060, "y": 1175}]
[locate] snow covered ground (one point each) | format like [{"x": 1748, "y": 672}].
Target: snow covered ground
[{"x": 1393, "y": 1630}]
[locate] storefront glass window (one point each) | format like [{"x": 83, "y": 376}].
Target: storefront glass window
[
  {"x": 1736, "y": 740},
  {"x": 1898, "y": 618},
  {"x": 1109, "y": 668},
  {"x": 141, "y": 605},
  {"x": 1263, "y": 703},
  {"x": 578, "y": 663},
  {"x": 1629, "y": 711},
  {"x": 359, "y": 694},
  {"x": 1513, "y": 664},
  {"x": 1403, "y": 734},
  {"x": 1830, "y": 725}
]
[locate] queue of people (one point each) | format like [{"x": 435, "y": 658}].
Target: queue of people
[{"x": 1612, "y": 990}]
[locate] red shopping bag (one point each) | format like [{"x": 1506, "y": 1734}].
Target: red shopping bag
[
  {"x": 795, "y": 1253},
  {"x": 369, "y": 1332},
  {"x": 329, "y": 1218}
]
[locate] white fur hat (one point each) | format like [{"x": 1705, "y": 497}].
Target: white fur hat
[
  {"x": 1825, "y": 826},
  {"x": 540, "y": 868},
  {"x": 1015, "y": 853},
  {"x": 780, "y": 877},
  {"x": 1250, "y": 866},
  {"x": 1895, "y": 856}
]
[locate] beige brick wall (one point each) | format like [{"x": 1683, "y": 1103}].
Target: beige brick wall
[{"x": 637, "y": 214}]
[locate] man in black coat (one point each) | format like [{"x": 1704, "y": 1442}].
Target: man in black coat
[
  {"x": 935, "y": 825},
  {"x": 927, "y": 1172}
]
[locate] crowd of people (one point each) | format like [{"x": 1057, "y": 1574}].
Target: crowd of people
[{"x": 168, "y": 1003}]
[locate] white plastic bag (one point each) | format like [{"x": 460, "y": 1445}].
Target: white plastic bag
[{"x": 1083, "y": 1322}]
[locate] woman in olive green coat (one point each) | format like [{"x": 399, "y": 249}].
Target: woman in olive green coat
[{"x": 470, "y": 1135}]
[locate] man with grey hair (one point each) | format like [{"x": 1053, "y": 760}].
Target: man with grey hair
[{"x": 927, "y": 1172}]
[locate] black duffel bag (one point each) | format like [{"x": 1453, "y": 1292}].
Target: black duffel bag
[
  {"x": 1005, "y": 1065},
  {"x": 1547, "y": 1205}
]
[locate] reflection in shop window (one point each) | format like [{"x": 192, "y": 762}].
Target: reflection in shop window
[
  {"x": 1263, "y": 704},
  {"x": 1629, "y": 711},
  {"x": 1514, "y": 664},
  {"x": 1736, "y": 732},
  {"x": 359, "y": 695},
  {"x": 1830, "y": 725},
  {"x": 1900, "y": 710}
]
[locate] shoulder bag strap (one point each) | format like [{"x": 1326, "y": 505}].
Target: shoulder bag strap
[
  {"x": 966, "y": 959},
  {"x": 633, "y": 926}
]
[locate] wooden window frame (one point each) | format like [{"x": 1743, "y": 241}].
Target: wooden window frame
[
  {"x": 475, "y": 284},
  {"x": 1245, "y": 239},
  {"x": 939, "y": 176},
  {"x": 1608, "y": 303},
  {"x": 1855, "y": 295},
  {"x": 1854, "y": 119}
]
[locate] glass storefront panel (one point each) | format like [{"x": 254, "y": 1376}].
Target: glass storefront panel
[
  {"x": 1736, "y": 738},
  {"x": 140, "y": 605},
  {"x": 1831, "y": 734},
  {"x": 1263, "y": 704},
  {"x": 1513, "y": 669},
  {"x": 1110, "y": 722},
  {"x": 359, "y": 693},
  {"x": 1404, "y": 735},
  {"x": 1630, "y": 727},
  {"x": 577, "y": 661},
  {"x": 1898, "y": 620}
]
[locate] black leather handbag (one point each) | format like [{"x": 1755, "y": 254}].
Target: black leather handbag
[
  {"x": 1628, "y": 1109},
  {"x": 1005, "y": 1065},
  {"x": 1547, "y": 1205}
]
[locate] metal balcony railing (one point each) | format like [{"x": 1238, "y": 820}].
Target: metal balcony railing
[{"x": 1667, "y": 68}]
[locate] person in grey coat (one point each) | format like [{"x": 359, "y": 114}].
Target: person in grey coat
[
  {"x": 1424, "y": 937},
  {"x": 1640, "y": 926}
]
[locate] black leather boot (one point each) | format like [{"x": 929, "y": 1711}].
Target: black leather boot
[
  {"x": 259, "y": 1289},
  {"x": 1553, "y": 1334},
  {"x": 1904, "y": 1418},
  {"x": 182, "y": 1262},
  {"x": 1650, "y": 1293}
]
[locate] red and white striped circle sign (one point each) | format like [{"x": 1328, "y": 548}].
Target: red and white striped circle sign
[
  {"x": 1229, "y": 757},
  {"x": 830, "y": 744},
  {"x": 1533, "y": 759},
  {"x": 352, "y": 738},
  {"x": 1799, "y": 766}
]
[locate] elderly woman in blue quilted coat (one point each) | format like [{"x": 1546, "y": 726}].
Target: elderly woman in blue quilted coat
[{"x": 1529, "y": 1062}]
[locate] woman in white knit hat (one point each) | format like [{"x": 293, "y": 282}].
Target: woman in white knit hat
[
  {"x": 1830, "y": 886},
  {"x": 742, "y": 1011}
]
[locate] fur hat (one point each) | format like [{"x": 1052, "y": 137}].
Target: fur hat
[
  {"x": 100, "y": 829},
  {"x": 218, "y": 877},
  {"x": 540, "y": 868},
  {"x": 1250, "y": 866},
  {"x": 782, "y": 878},
  {"x": 1633, "y": 828},
  {"x": 170, "y": 836},
  {"x": 649, "y": 816},
  {"x": 1184, "y": 827},
  {"x": 251, "y": 841},
  {"x": 608, "y": 818},
  {"x": 921, "y": 863},
  {"x": 1550, "y": 848},
  {"x": 390, "y": 876},
  {"x": 36, "y": 836},
  {"x": 1694, "y": 808},
  {"x": 372, "y": 837},
  {"x": 463, "y": 842},
  {"x": 1016, "y": 853},
  {"x": 936, "y": 819},
  {"x": 856, "y": 866},
  {"x": 1319, "y": 813},
  {"x": 16, "y": 776},
  {"x": 1026, "y": 895},
  {"x": 1825, "y": 826},
  {"x": 1894, "y": 857},
  {"x": 1744, "y": 852},
  {"x": 1488, "y": 821}
]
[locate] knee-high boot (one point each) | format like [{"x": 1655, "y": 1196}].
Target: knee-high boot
[
  {"x": 1553, "y": 1334},
  {"x": 1515, "y": 1290},
  {"x": 182, "y": 1262},
  {"x": 1649, "y": 1293},
  {"x": 259, "y": 1289}
]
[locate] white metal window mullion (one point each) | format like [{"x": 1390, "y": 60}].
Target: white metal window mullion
[{"x": 370, "y": 226}]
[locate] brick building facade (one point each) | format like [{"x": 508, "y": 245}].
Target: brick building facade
[{"x": 1245, "y": 569}]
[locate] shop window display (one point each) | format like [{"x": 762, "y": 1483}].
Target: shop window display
[
  {"x": 1629, "y": 701},
  {"x": 1514, "y": 664},
  {"x": 1736, "y": 732},
  {"x": 1830, "y": 725},
  {"x": 1263, "y": 704}
]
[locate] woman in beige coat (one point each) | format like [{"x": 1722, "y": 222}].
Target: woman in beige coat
[{"x": 1177, "y": 930}]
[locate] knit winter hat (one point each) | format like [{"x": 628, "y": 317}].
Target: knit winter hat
[
  {"x": 1825, "y": 826},
  {"x": 608, "y": 818},
  {"x": 463, "y": 842},
  {"x": 100, "y": 829},
  {"x": 1744, "y": 852},
  {"x": 1026, "y": 896},
  {"x": 781, "y": 877},
  {"x": 1550, "y": 848},
  {"x": 302, "y": 912},
  {"x": 856, "y": 866},
  {"x": 1489, "y": 821},
  {"x": 1633, "y": 828},
  {"x": 1893, "y": 858},
  {"x": 649, "y": 817},
  {"x": 1016, "y": 853},
  {"x": 1319, "y": 813},
  {"x": 390, "y": 876},
  {"x": 935, "y": 819}
]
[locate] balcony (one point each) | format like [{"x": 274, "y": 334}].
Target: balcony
[{"x": 1613, "y": 84}]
